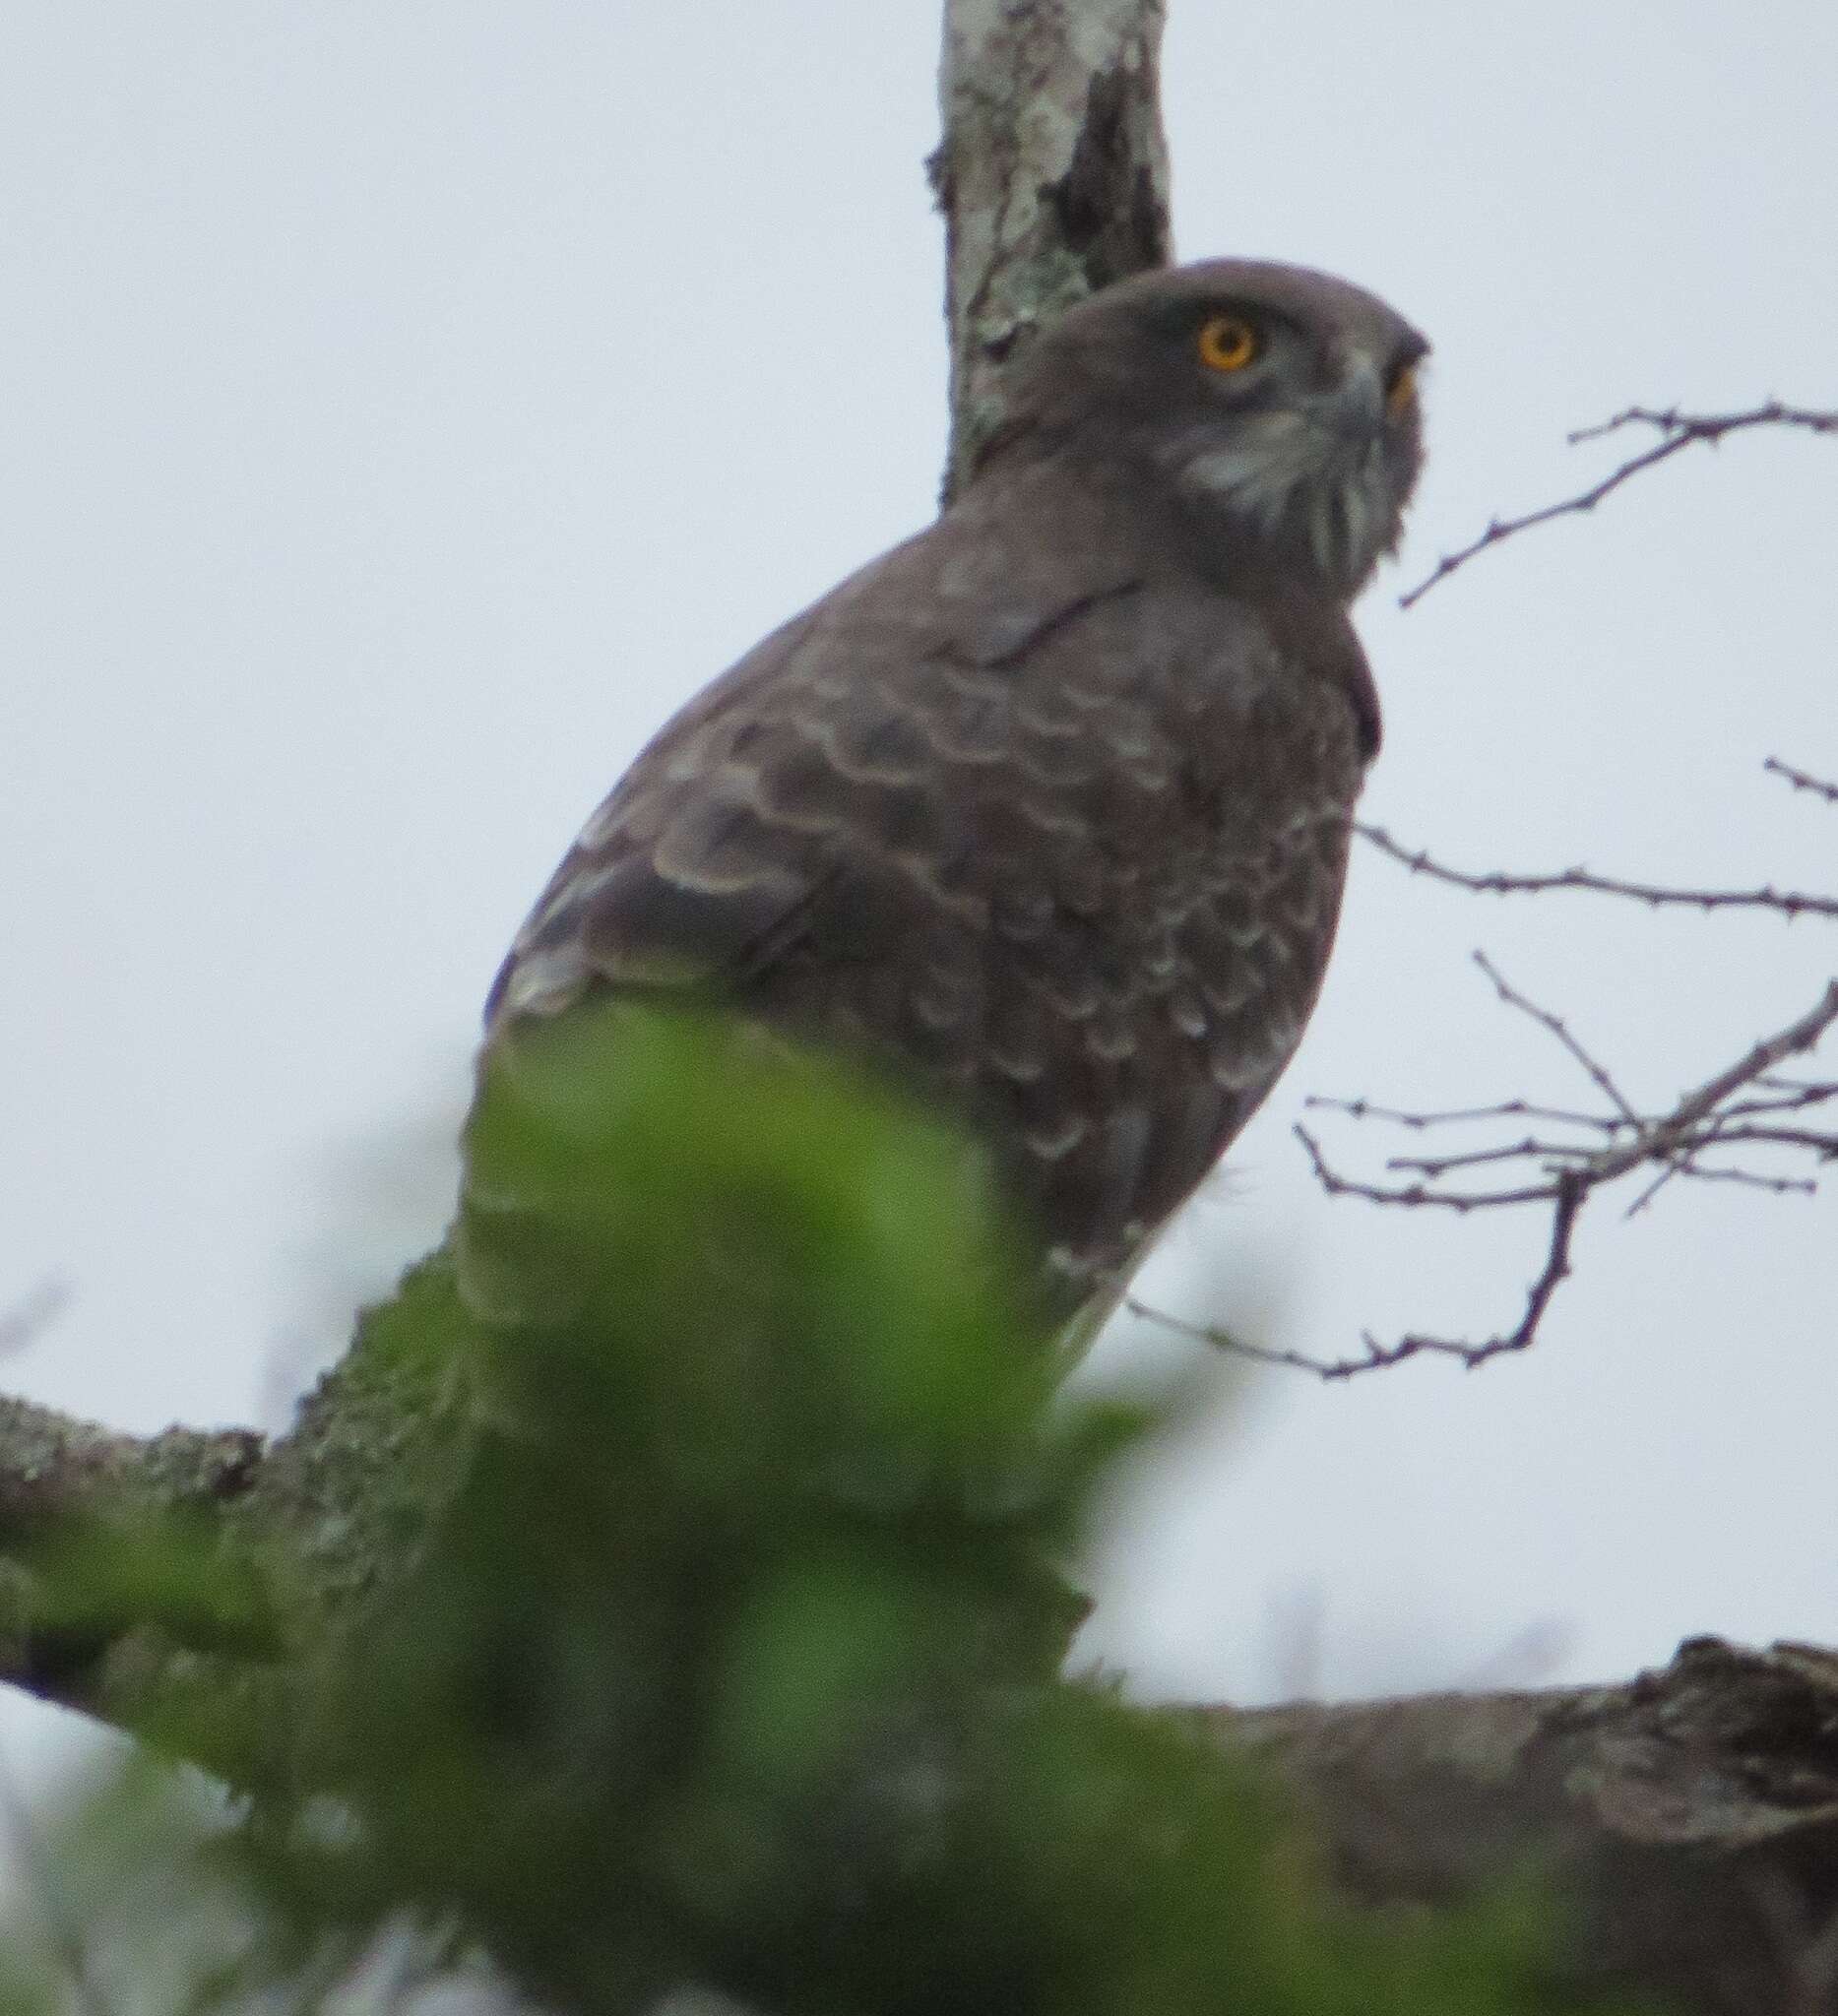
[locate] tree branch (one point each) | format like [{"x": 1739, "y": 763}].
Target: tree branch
[
  {"x": 1051, "y": 175},
  {"x": 1801, "y": 781},
  {"x": 1677, "y": 430},
  {"x": 320, "y": 1515},
  {"x": 1496, "y": 882},
  {"x": 1619, "y": 1141},
  {"x": 1688, "y": 1817},
  {"x": 1695, "y": 1813}
]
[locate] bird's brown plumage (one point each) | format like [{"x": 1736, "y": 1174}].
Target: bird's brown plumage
[{"x": 1048, "y": 806}]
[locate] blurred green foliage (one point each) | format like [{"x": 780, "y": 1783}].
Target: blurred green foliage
[{"x": 735, "y": 1657}]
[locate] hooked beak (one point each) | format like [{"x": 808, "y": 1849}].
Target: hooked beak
[
  {"x": 1371, "y": 393},
  {"x": 1358, "y": 401}
]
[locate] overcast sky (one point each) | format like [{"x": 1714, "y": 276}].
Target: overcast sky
[{"x": 404, "y": 406}]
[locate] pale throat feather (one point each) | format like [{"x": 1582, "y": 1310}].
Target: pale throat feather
[{"x": 1284, "y": 474}]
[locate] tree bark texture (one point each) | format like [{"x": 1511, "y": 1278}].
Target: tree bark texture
[
  {"x": 1689, "y": 1817},
  {"x": 1688, "y": 1820},
  {"x": 1052, "y": 177}
]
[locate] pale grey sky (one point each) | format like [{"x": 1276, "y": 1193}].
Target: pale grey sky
[{"x": 403, "y": 406}]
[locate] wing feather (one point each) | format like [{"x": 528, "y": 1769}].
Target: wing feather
[{"x": 1072, "y": 855}]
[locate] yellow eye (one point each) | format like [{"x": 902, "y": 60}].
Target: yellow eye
[
  {"x": 1227, "y": 342},
  {"x": 1402, "y": 389}
]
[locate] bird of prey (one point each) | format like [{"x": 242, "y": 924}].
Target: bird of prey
[{"x": 1048, "y": 807}]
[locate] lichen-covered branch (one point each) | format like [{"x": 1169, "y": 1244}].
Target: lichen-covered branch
[
  {"x": 139, "y": 1572},
  {"x": 1051, "y": 175},
  {"x": 55, "y": 1470}
]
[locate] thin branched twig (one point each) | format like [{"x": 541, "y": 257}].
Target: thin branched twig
[
  {"x": 1802, "y": 780},
  {"x": 1677, "y": 430},
  {"x": 1596, "y": 1073},
  {"x": 1565, "y": 1173},
  {"x": 1501, "y": 1110},
  {"x": 1789, "y": 903},
  {"x": 1569, "y": 1175}
]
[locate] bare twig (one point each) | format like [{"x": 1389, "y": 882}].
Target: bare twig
[
  {"x": 1692, "y": 1144},
  {"x": 1800, "y": 1035},
  {"x": 1789, "y": 903},
  {"x": 1677, "y": 430},
  {"x": 1503, "y": 1109},
  {"x": 1680, "y": 428},
  {"x": 1436, "y": 1167},
  {"x": 1596, "y": 1073},
  {"x": 1709, "y": 1116},
  {"x": 1240, "y": 1346},
  {"x": 1416, "y": 1195},
  {"x": 1753, "y": 1180},
  {"x": 1794, "y": 1099},
  {"x": 1801, "y": 781},
  {"x": 1569, "y": 1192}
]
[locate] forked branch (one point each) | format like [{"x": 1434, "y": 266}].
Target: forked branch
[{"x": 1677, "y": 431}]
